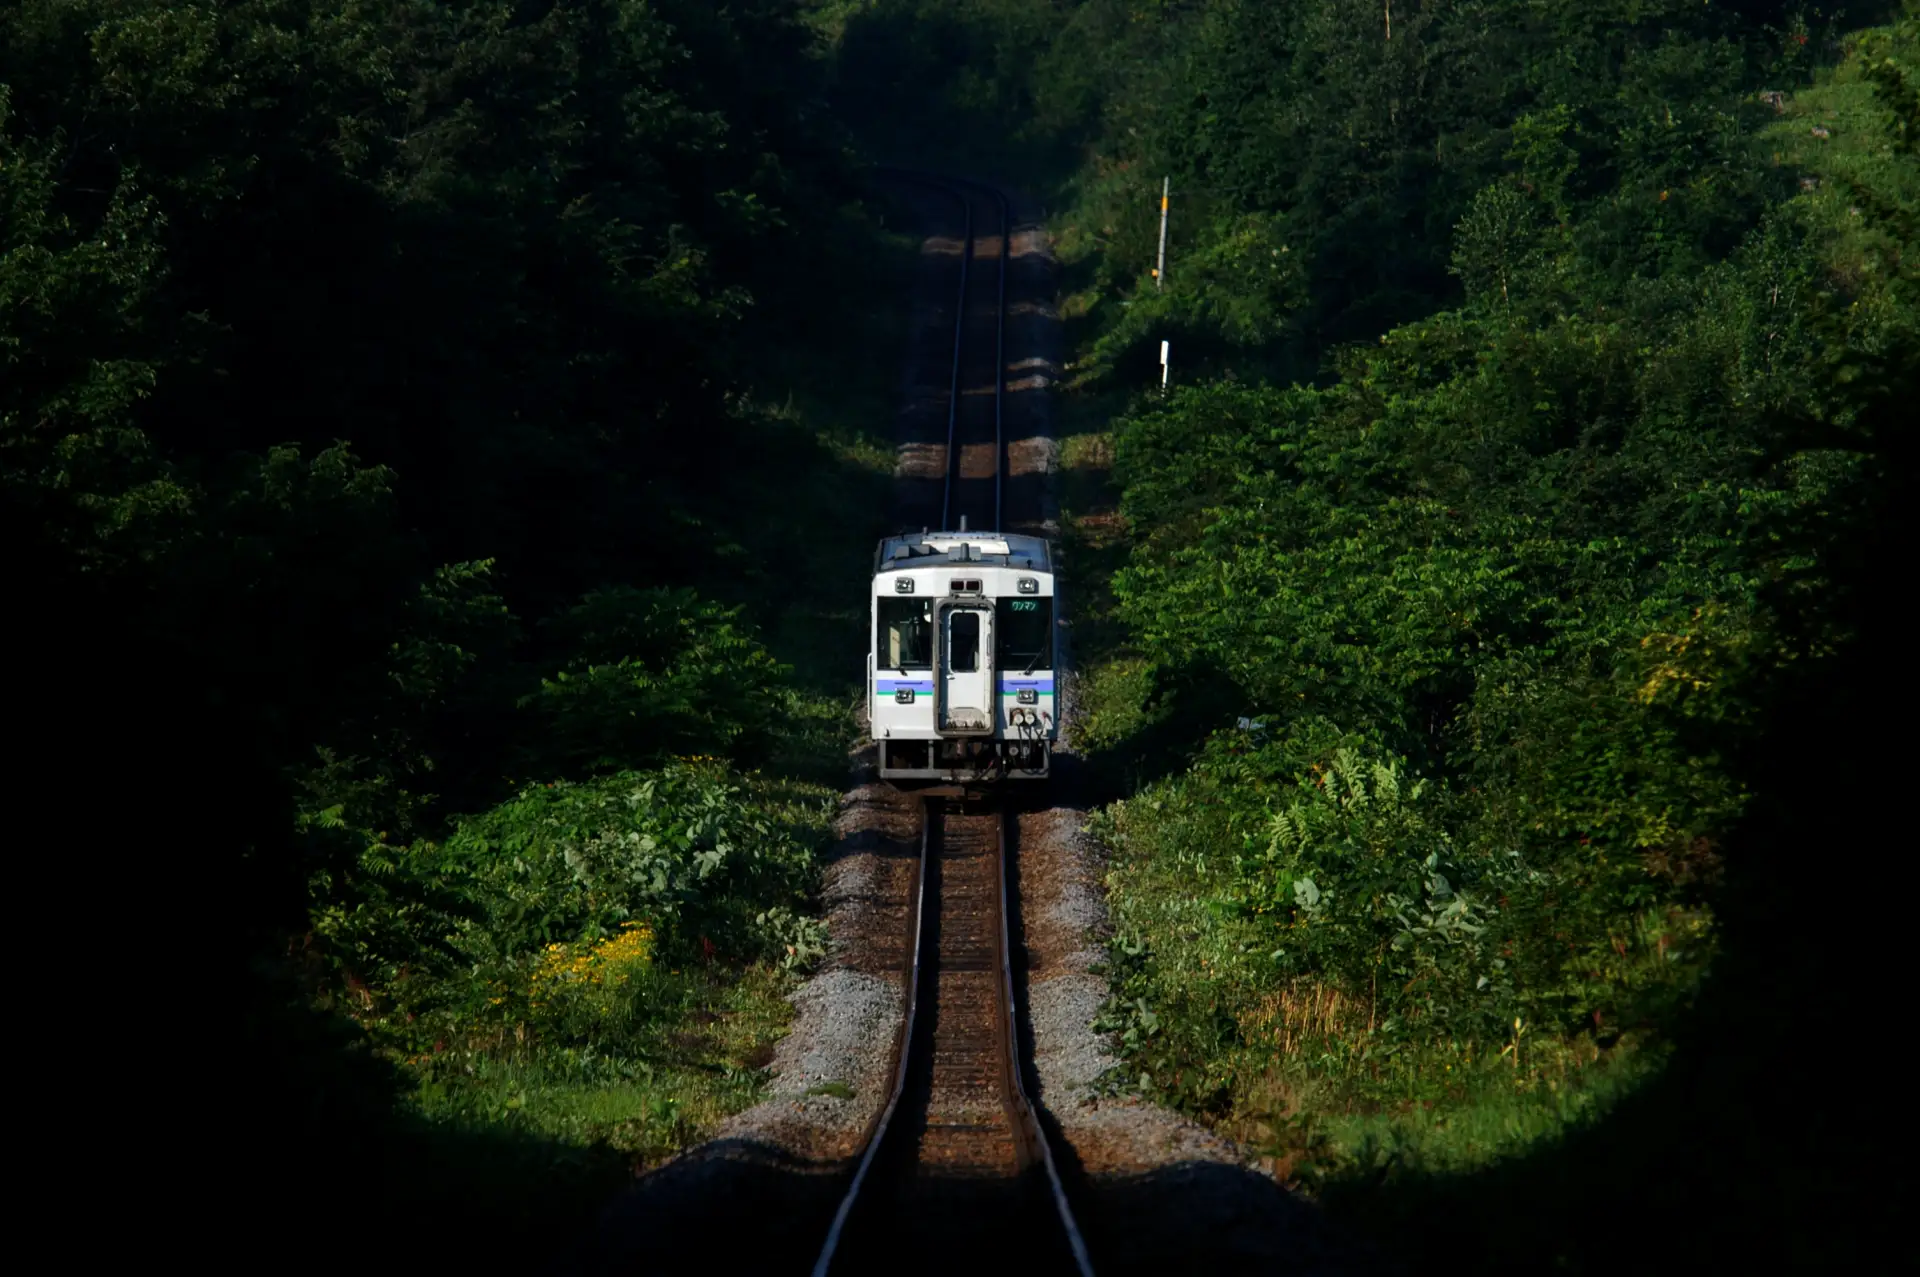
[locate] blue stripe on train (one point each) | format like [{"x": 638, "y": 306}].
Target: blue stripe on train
[{"x": 1008, "y": 686}]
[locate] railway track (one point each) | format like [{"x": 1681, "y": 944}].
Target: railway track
[
  {"x": 959, "y": 475},
  {"x": 957, "y": 1174}
]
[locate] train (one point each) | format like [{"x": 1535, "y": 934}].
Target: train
[{"x": 960, "y": 674}]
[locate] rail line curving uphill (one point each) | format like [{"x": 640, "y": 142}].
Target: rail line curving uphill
[
  {"x": 960, "y": 670},
  {"x": 957, "y": 1174}
]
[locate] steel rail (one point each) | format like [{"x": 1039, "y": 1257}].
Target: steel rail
[
  {"x": 1075, "y": 1242},
  {"x": 1000, "y": 369},
  {"x": 999, "y": 350},
  {"x": 1032, "y": 1134},
  {"x": 959, "y": 327},
  {"x": 999, "y": 347},
  {"x": 878, "y": 1135},
  {"x": 953, "y": 391},
  {"x": 954, "y": 186}
]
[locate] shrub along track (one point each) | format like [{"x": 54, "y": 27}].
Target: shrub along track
[{"x": 1154, "y": 1192}]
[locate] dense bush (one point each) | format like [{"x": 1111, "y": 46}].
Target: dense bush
[
  {"x": 682, "y": 850},
  {"x": 1351, "y": 140},
  {"x": 656, "y": 672},
  {"x": 346, "y": 353},
  {"x": 1501, "y": 600},
  {"x": 551, "y": 909},
  {"x": 383, "y": 389}
]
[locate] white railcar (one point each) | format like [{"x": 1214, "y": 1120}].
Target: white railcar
[{"x": 961, "y": 671}]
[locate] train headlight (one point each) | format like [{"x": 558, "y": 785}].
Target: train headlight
[
  {"x": 1029, "y": 586},
  {"x": 903, "y": 585},
  {"x": 903, "y": 696},
  {"x": 1028, "y": 696}
]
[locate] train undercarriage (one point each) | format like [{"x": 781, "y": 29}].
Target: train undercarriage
[{"x": 964, "y": 762}]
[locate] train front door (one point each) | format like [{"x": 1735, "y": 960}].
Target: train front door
[{"x": 966, "y": 702}]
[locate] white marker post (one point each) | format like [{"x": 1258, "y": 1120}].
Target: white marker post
[{"x": 1166, "y": 356}]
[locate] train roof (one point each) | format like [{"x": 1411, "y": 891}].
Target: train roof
[{"x": 995, "y": 549}]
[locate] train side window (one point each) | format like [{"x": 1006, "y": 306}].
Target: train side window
[
  {"x": 963, "y": 642},
  {"x": 904, "y": 637},
  {"x": 1024, "y": 634}
]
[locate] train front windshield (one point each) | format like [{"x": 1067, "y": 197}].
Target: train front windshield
[
  {"x": 1025, "y": 634},
  {"x": 905, "y": 635}
]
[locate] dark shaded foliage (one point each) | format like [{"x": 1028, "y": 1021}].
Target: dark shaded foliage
[{"x": 341, "y": 349}]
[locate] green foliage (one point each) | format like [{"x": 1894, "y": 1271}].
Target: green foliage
[
  {"x": 309, "y": 314},
  {"x": 1627, "y": 126},
  {"x": 967, "y": 85},
  {"x": 1242, "y": 288},
  {"x": 703, "y": 864},
  {"x": 646, "y": 1086},
  {"x": 1503, "y": 596},
  {"x": 1354, "y": 876},
  {"x": 1498, "y": 246},
  {"x": 600, "y": 961},
  {"x": 653, "y": 673},
  {"x": 681, "y": 849},
  {"x": 1294, "y": 954},
  {"x": 387, "y": 396}
]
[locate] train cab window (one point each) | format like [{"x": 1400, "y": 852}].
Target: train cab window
[
  {"x": 1025, "y": 640},
  {"x": 904, "y": 637},
  {"x": 963, "y": 642}
]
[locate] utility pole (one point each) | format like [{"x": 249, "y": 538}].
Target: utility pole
[
  {"x": 1389, "y": 19},
  {"x": 1160, "y": 275},
  {"x": 1160, "y": 266}
]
